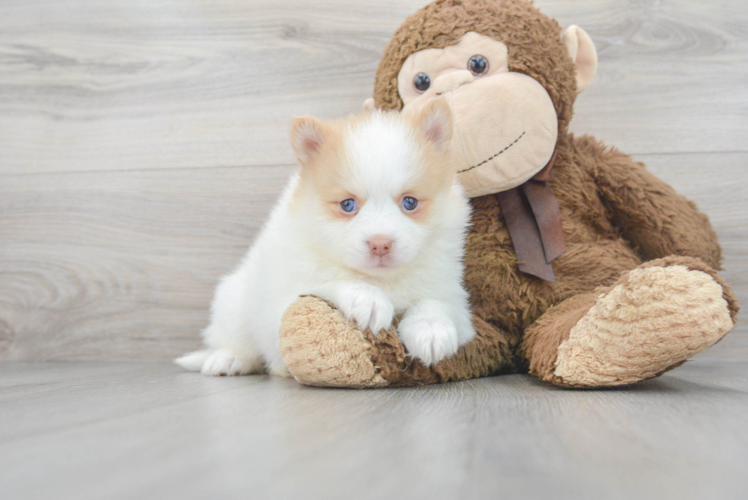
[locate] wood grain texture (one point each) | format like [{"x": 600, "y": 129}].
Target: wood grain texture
[
  {"x": 151, "y": 431},
  {"x": 142, "y": 144},
  {"x": 121, "y": 264},
  {"x": 86, "y": 85}
]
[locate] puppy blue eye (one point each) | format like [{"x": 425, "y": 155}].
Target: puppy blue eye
[
  {"x": 409, "y": 203},
  {"x": 348, "y": 205}
]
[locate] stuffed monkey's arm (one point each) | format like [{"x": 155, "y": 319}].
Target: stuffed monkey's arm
[{"x": 658, "y": 221}]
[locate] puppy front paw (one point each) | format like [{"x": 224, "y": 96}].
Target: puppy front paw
[
  {"x": 367, "y": 305},
  {"x": 429, "y": 336}
]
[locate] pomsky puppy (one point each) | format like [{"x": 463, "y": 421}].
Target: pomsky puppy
[{"x": 374, "y": 221}]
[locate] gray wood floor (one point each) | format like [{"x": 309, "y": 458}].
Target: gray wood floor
[
  {"x": 147, "y": 430},
  {"x": 141, "y": 146}
]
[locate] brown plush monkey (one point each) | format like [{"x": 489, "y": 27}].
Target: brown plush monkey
[{"x": 583, "y": 268}]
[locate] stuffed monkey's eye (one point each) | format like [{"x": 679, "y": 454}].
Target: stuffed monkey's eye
[
  {"x": 348, "y": 205},
  {"x": 478, "y": 65},
  {"x": 409, "y": 203},
  {"x": 421, "y": 82}
]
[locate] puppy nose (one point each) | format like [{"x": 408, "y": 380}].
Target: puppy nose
[
  {"x": 380, "y": 245},
  {"x": 451, "y": 81}
]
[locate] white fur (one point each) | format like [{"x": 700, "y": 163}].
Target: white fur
[{"x": 302, "y": 250}]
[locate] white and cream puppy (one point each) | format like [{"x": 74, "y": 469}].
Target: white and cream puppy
[{"x": 374, "y": 222}]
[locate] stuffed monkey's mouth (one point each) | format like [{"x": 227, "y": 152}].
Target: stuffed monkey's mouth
[{"x": 494, "y": 156}]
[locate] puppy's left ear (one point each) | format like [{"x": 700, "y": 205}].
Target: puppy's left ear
[
  {"x": 308, "y": 135},
  {"x": 582, "y": 52},
  {"x": 435, "y": 122}
]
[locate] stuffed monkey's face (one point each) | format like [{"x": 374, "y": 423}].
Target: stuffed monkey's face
[{"x": 505, "y": 124}]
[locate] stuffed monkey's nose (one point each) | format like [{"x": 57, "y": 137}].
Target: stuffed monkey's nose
[
  {"x": 380, "y": 245},
  {"x": 452, "y": 80}
]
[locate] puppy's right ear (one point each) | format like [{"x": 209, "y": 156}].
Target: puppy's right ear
[{"x": 308, "y": 135}]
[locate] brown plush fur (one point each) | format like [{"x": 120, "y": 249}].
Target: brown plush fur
[
  {"x": 488, "y": 354},
  {"x": 616, "y": 215}
]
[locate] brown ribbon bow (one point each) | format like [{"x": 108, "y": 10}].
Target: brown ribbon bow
[{"x": 533, "y": 218}]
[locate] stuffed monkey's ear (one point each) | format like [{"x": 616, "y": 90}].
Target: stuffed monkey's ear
[
  {"x": 307, "y": 137},
  {"x": 369, "y": 106},
  {"x": 582, "y": 52},
  {"x": 435, "y": 122}
]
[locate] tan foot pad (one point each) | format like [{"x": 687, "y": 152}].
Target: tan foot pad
[
  {"x": 321, "y": 348},
  {"x": 655, "y": 319}
]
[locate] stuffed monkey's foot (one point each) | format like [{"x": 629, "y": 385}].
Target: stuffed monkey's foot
[{"x": 652, "y": 320}]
